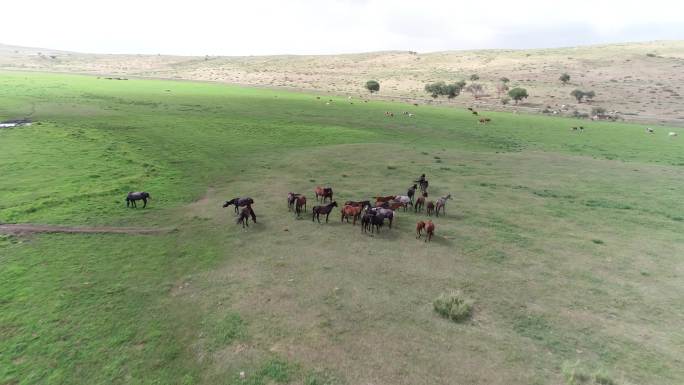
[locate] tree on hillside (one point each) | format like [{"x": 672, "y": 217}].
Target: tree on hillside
[
  {"x": 474, "y": 77},
  {"x": 518, "y": 94},
  {"x": 504, "y": 80},
  {"x": 589, "y": 95},
  {"x": 476, "y": 89},
  {"x": 441, "y": 88},
  {"x": 578, "y": 94},
  {"x": 372, "y": 86},
  {"x": 564, "y": 78},
  {"x": 505, "y": 100}
]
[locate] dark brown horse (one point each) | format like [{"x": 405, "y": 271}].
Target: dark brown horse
[
  {"x": 244, "y": 216},
  {"x": 239, "y": 202},
  {"x": 323, "y": 193},
  {"x": 300, "y": 205},
  {"x": 372, "y": 221},
  {"x": 318, "y": 210}
]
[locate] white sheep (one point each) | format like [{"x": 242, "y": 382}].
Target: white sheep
[{"x": 672, "y": 134}]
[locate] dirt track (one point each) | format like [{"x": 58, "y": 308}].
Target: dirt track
[{"x": 28, "y": 228}]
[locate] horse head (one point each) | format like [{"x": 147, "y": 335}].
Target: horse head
[{"x": 230, "y": 202}]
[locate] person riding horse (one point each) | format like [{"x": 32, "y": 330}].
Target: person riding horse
[{"x": 422, "y": 182}]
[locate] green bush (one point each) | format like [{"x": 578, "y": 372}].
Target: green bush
[
  {"x": 453, "y": 306},
  {"x": 373, "y": 86}
]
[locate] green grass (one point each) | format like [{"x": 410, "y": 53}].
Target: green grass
[{"x": 569, "y": 244}]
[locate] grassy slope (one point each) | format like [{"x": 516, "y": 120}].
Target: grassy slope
[{"x": 569, "y": 243}]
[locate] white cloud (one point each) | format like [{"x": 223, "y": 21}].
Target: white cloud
[{"x": 317, "y": 26}]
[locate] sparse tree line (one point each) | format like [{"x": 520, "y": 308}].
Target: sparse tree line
[{"x": 478, "y": 90}]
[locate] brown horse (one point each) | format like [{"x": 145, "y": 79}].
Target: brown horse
[
  {"x": 318, "y": 210},
  {"x": 420, "y": 226},
  {"x": 350, "y": 211},
  {"x": 430, "y": 229},
  {"x": 244, "y": 216},
  {"x": 361, "y": 204},
  {"x": 420, "y": 202},
  {"x": 300, "y": 204},
  {"x": 384, "y": 199},
  {"x": 323, "y": 193},
  {"x": 430, "y": 207}
]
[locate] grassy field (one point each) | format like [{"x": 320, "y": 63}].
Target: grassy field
[{"x": 568, "y": 244}]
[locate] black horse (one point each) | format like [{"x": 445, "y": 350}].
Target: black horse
[
  {"x": 318, "y": 210},
  {"x": 411, "y": 192},
  {"x": 239, "y": 202},
  {"x": 371, "y": 220},
  {"x": 137, "y": 196}
]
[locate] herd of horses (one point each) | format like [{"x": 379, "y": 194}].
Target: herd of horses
[{"x": 372, "y": 216}]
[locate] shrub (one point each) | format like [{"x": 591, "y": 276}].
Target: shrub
[
  {"x": 564, "y": 78},
  {"x": 574, "y": 375},
  {"x": 504, "y": 80},
  {"x": 518, "y": 94},
  {"x": 372, "y": 86},
  {"x": 505, "y": 100},
  {"x": 476, "y": 89},
  {"x": 598, "y": 111},
  {"x": 453, "y": 306},
  {"x": 651, "y": 55},
  {"x": 474, "y": 77}
]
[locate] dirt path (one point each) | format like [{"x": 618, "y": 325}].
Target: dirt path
[{"x": 28, "y": 228}]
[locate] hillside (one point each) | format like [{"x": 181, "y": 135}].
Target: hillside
[{"x": 642, "y": 81}]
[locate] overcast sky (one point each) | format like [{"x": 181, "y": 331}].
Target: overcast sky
[{"x": 259, "y": 27}]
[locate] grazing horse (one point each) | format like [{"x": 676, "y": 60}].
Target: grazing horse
[
  {"x": 137, "y": 196},
  {"x": 430, "y": 229},
  {"x": 291, "y": 199},
  {"x": 387, "y": 213},
  {"x": 239, "y": 202},
  {"x": 300, "y": 205},
  {"x": 420, "y": 202},
  {"x": 323, "y": 193},
  {"x": 420, "y": 226},
  {"x": 411, "y": 192},
  {"x": 244, "y": 216},
  {"x": 318, "y": 210},
  {"x": 441, "y": 204},
  {"x": 430, "y": 207},
  {"x": 351, "y": 211}
]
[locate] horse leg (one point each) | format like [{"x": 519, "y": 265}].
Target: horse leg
[
  {"x": 326, "y": 217},
  {"x": 135, "y": 205},
  {"x": 144, "y": 202}
]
